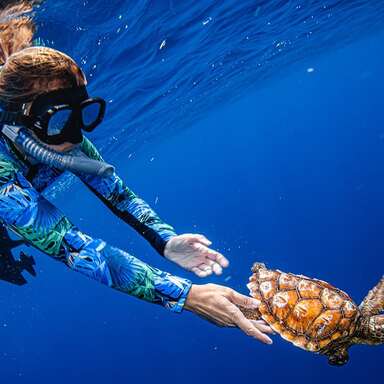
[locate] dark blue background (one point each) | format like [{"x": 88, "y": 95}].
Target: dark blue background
[{"x": 291, "y": 175}]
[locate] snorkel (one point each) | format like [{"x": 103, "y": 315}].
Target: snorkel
[{"x": 74, "y": 162}]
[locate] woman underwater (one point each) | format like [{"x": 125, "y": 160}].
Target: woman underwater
[{"x": 45, "y": 109}]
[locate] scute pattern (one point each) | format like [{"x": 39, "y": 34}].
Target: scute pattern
[{"x": 309, "y": 313}]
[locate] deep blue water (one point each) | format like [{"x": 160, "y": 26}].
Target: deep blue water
[{"x": 257, "y": 123}]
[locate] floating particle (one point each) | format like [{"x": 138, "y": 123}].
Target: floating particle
[
  {"x": 206, "y": 21},
  {"x": 310, "y": 70},
  {"x": 228, "y": 278},
  {"x": 151, "y": 159},
  {"x": 156, "y": 200},
  {"x": 162, "y": 45}
]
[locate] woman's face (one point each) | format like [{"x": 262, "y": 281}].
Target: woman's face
[
  {"x": 64, "y": 147},
  {"x": 53, "y": 85}
]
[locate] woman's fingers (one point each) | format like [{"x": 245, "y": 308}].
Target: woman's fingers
[
  {"x": 204, "y": 240},
  {"x": 263, "y": 327},
  {"x": 211, "y": 254},
  {"x": 197, "y": 271},
  {"x": 219, "y": 258},
  {"x": 216, "y": 268},
  {"x": 250, "y": 303},
  {"x": 262, "y": 322},
  {"x": 243, "y": 301},
  {"x": 200, "y": 238},
  {"x": 202, "y": 271},
  {"x": 248, "y": 327}
]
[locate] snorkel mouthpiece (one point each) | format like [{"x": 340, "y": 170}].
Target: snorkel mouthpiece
[{"x": 76, "y": 163}]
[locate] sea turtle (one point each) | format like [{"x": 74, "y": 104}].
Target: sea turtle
[{"x": 314, "y": 315}]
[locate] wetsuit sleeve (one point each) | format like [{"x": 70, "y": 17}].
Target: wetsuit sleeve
[
  {"x": 35, "y": 219},
  {"x": 126, "y": 204}
]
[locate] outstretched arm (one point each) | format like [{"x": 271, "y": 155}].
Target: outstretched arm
[
  {"x": 35, "y": 219},
  {"x": 126, "y": 204},
  {"x": 39, "y": 222},
  {"x": 189, "y": 251}
]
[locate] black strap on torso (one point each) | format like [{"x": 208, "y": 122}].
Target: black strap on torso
[{"x": 32, "y": 172}]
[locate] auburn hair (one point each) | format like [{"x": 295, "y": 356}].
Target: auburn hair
[{"x": 26, "y": 70}]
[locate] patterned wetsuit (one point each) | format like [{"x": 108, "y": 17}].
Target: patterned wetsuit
[{"x": 24, "y": 210}]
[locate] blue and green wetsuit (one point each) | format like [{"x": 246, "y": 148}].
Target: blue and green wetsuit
[{"x": 24, "y": 210}]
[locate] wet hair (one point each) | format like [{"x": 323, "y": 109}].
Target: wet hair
[{"x": 28, "y": 71}]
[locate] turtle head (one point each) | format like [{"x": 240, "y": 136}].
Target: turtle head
[{"x": 338, "y": 357}]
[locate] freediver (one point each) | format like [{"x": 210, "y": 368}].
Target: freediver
[{"x": 45, "y": 110}]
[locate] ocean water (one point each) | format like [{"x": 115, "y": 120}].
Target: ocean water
[{"x": 256, "y": 123}]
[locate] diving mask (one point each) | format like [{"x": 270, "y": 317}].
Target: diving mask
[{"x": 60, "y": 116}]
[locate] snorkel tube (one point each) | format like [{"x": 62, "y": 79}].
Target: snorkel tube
[{"x": 76, "y": 163}]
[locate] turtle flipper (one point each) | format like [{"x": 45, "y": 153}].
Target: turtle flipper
[
  {"x": 338, "y": 357},
  {"x": 371, "y": 330},
  {"x": 373, "y": 304},
  {"x": 376, "y": 325}
]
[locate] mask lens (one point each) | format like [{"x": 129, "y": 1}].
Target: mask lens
[
  {"x": 91, "y": 114},
  {"x": 58, "y": 121}
]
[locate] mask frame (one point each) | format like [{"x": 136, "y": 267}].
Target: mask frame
[{"x": 74, "y": 100}]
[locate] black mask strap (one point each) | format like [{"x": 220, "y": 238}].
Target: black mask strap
[{"x": 12, "y": 118}]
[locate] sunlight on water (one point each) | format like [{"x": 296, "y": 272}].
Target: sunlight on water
[{"x": 164, "y": 65}]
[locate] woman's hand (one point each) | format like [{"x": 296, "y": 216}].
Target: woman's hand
[
  {"x": 191, "y": 252},
  {"x": 219, "y": 305}
]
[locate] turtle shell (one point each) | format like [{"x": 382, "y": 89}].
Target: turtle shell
[{"x": 309, "y": 313}]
